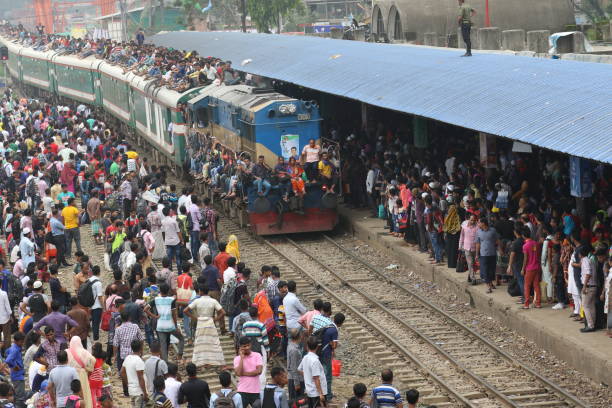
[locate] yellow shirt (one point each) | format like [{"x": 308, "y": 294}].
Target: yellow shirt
[
  {"x": 71, "y": 217},
  {"x": 325, "y": 169},
  {"x": 30, "y": 143},
  {"x": 131, "y": 155}
]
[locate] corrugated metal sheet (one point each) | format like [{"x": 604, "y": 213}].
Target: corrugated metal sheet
[{"x": 559, "y": 105}]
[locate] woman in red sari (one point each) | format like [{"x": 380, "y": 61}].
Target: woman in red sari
[{"x": 67, "y": 176}]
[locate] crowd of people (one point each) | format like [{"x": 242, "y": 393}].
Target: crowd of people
[
  {"x": 172, "y": 68},
  {"x": 65, "y": 173},
  {"x": 512, "y": 221},
  {"x": 233, "y": 174}
]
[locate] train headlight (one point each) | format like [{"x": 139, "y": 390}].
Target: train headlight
[{"x": 287, "y": 109}]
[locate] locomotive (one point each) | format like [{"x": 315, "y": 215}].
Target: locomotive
[{"x": 239, "y": 117}]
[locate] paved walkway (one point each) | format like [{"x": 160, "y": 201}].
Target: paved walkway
[{"x": 550, "y": 329}]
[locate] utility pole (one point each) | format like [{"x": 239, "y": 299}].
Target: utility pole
[
  {"x": 243, "y": 18},
  {"x": 124, "y": 28}
]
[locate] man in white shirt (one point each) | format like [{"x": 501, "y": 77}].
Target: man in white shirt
[
  {"x": 154, "y": 366},
  {"x": 96, "y": 309},
  {"x": 173, "y": 385},
  {"x": 314, "y": 375},
  {"x": 294, "y": 309},
  {"x": 185, "y": 199},
  {"x": 132, "y": 376},
  {"x": 173, "y": 238},
  {"x": 589, "y": 288},
  {"x": 5, "y": 317}
]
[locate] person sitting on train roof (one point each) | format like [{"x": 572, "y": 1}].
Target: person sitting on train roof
[{"x": 261, "y": 174}]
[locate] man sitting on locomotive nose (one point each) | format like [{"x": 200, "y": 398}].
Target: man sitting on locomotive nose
[
  {"x": 261, "y": 173},
  {"x": 282, "y": 172}
]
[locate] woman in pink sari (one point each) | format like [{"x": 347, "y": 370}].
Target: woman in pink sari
[
  {"x": 67, "y": 176},
  {"x": 83, "y": 362}
]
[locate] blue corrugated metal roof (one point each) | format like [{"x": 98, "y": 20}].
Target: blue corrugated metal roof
[{"x": 559, "y": 105}]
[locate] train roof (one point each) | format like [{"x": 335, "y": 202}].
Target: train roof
[
  {"x": 247, "y": 97},
  {"x": 89, "y": 63}
]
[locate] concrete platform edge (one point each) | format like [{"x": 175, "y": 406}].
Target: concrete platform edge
[{"x": 594, "y": 363}]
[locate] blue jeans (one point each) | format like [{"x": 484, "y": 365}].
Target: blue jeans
[
  {"x": 96, "y": 319},
  {"x": 520, "y": 279},
  {"x": 174, "y": 252},
  {"x": 72, "y": 234},
  {"x": 194, "y": 242},
  {"x": 149, "y": 333},
  {"x": 263, "y": 186},
  {"x": 436, "y": 244},
  {"x": 212, "y": 245},
  {"x": 187, "y": 326}
]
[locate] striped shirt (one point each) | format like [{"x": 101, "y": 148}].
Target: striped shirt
[
  {"x": 256, "y": 330},
  {"x": 386, "y": 396}
]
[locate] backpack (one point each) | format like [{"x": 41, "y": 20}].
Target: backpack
[
  {"x": 37, "y": 304},
  {"x": 268, "y": 398},
  {"x": 13, "y": 287},
  {"x": 319, "y": 336},
  {"x": 53, "y": 173},
  {"x": 189, "y": 221},
  {"x": 32, "y": 188},
  {"x": 72, "y": 401},
  {"x": 240, "y": 321},
  {"x": 85, "y": 294},
  {"x": 224, "y": 401},
  {"x": 227, "y": 295},
  {"x": 112, "y": 201}
]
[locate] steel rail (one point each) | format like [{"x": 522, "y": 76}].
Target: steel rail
[
  {"x": 434, "y": 377},
  {"x": 555, "y": 388},
  {"x": 475, "y": 377}
]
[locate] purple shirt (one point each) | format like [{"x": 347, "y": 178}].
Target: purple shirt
[
  {"x": 196, "y": 216},
  {"x": 58, "y": 323}
]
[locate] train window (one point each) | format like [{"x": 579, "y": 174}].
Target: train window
[
  {"x": 249, "y": 133},
  {"x": 202, "y": 115}
]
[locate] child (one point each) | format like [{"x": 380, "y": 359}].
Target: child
[
  {"x": 74, "y": 399},
  {"x": 96, "y": 377},
  {"x": 159, "y": 398}
]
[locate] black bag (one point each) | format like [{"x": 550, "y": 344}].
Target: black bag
[
  {"x": 85, "y": 293},
  {"x": 462, "y": 264},
  {"x": 514, "y": 289}
]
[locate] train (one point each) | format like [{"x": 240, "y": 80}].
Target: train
[{"x": 241, "y": 118}]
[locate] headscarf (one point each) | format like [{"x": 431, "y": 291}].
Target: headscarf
[
  {"x": 233, "y": 247},
  {"x": 78, "y": 353},
  {"x": 452, "y": 223},
  {"x": 264, "y": 311},
  {"x": 67, "y": 174}
]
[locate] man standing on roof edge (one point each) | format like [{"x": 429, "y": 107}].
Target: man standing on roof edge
[{"x": 466, "y": 12}]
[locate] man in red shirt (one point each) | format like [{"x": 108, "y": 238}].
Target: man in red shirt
[
  {"x": 531, "y": 268},
  {"x": 221, "y": 259}
]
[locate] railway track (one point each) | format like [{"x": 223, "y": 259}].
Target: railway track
[
  {"x": 496, "y": 373},
  {"x": 427, "y": 348},
  {"x": 449, "y": 363}
]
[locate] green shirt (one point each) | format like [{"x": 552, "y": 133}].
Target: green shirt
[
  {"x": 118, "y": 241},
  {"x": 114, "y": 168},
  {"x": 465, "y": 12}
]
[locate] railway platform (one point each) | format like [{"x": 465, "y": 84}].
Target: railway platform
[{"x": 589, "y": 353}]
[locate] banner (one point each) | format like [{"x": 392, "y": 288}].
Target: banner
[
  {"x": 488, "y": 151},
  {"x": 290, "y": 146},
  {"x": 581, "y": 184}
]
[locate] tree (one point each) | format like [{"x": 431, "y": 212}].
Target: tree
[
  {"x": 266, "y": 14},
  {"x": 593, "y": 9},
  {"x": 192, "y": 10}
]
